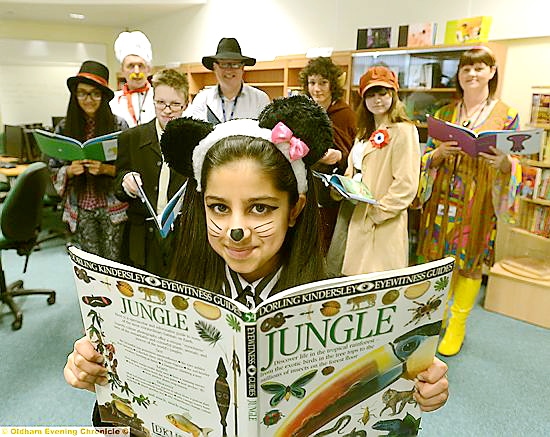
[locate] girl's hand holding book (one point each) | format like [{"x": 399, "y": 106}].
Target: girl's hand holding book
[
  {"x": 84, "y": 366},
  {"x": 76, "y": 168}
]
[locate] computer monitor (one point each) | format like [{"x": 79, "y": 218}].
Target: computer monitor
[{"x": 14, "y": 142}]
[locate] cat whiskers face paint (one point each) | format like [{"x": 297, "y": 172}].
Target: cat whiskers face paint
[
  {"x": 264, "y": 232},
  {"x": 214, "y": 229}
]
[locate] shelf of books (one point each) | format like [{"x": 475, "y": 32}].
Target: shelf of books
[
  {"x": 540, "y": 115},
  {"x": 534, "y": 213}
]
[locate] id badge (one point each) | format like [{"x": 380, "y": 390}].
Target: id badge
[{"x": 441, "y": 210}]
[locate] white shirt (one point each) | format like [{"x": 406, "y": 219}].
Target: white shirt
[
  {"x": 144, "y": 107},
  {"x": 250, "y": 103},
  {"x": 235, "y": 284},
  {"x": 164, "y": 176}
]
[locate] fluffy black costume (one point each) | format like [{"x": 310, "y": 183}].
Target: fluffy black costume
[{"x": 307, "y": 120}]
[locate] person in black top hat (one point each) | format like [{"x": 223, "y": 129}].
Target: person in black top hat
[
  {"x": 91, "y": 210},
  {"x": 232, "y": 98}
]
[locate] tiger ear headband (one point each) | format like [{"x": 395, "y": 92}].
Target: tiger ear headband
[{"x": 298, "y": 127}]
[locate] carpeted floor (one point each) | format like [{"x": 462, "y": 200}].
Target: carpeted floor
[{"x": 499, "y": 381}]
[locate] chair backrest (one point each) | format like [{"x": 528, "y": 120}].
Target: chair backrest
[{"x": 22, "y": 211}]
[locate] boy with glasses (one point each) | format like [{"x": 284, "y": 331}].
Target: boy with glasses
[
  {"x": 140, "y": 161},
  {"x": 231, "y": 98}
]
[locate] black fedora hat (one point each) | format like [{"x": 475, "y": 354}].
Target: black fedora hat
[
  {"x": 228, "y": 48},
  {"x": 92, "y": 73}
]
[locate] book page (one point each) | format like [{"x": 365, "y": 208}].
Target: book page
[
  {"x": 175, "y": 353},
  {"x": 342, "y": 354}
]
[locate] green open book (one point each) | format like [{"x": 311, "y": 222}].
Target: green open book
[
  {"x": 347, "y": 187},
  {"x": 103, "y": 148}
]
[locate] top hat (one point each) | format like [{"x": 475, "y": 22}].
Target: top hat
[
  {"x": 378, "y": 75},
  {"x": 228, "y": 48},
  {"x": 92, "y": 73}
]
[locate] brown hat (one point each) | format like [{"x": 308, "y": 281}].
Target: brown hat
[
  {"x": 378, "y": 76},
  {"x": 92, "y": 73},
  {"x": 228, "y": 48}
]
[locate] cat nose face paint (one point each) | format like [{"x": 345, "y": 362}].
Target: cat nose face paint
[{"x": 236, "y": 234}]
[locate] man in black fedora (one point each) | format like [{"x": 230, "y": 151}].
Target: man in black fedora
[{"x": 231, "y": 98}]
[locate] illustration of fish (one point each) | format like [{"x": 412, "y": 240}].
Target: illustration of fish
[
  {"x": 405, "y": 357},
  {"x": 183, "y": 422}
]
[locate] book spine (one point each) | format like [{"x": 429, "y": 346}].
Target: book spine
[{"x": 251, "y": 372}]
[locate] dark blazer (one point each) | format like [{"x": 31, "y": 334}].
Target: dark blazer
[{"x": 139, "y": 151}]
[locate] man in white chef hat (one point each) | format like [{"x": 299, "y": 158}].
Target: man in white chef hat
[{"x": 134, "y": 102}]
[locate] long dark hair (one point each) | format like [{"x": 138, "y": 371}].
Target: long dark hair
[
  {"x": 196, "y": 263},
  {"x": 365, "y": 118},
  {"x": 75, "y": 124},
  {"x": 75, "y": 121}
]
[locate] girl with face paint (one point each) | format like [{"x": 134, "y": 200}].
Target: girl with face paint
[{"x": 249, "y": 228}]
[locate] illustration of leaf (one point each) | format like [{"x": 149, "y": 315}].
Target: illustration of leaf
[
  {"x": 441, "y": 283},
  {"x": 208, "y": 333},
  {"x": 233, "y": 322}
]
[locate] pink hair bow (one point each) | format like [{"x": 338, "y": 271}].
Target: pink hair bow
[{"x": 282, "y": 134}]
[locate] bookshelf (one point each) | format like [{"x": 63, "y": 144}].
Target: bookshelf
[
  {"x": 426, "y": 75},
  {"x": 277, "y": 78}
]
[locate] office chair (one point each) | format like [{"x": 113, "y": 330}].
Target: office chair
[{"x": 20, "y": 221}]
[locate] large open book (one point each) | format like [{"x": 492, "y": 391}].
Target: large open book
[
  {"x": 319, "y": 359},
  {"x": 165, "y": 220},
  {"x": 525, "y": 142},
  {"x": 351, "y": 189},
  {"x": 103, "y": 148}
]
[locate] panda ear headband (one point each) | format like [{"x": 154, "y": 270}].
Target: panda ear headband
[{"x": 298, "y": 127}]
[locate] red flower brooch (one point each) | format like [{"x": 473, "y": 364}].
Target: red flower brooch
[{"x": 380, "y": 138}]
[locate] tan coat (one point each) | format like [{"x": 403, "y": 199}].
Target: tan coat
[{"x": 377, "y": 237}]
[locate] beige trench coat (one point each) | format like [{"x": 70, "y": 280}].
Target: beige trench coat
[{"x": 377, "y": 237}]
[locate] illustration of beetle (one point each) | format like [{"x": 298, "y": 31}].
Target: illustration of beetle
[
  {"x": 425, "y": 309},
  {"x": 272, "y": 417},
  {"x": 366, "y": 415}
]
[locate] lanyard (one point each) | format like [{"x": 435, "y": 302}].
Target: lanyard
[{"x": 234, "y": 104}]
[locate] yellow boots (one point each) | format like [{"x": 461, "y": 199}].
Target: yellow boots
[{"x": 465, "y": 293}]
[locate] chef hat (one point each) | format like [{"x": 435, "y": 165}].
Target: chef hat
[{"x": 133, "y": 43}]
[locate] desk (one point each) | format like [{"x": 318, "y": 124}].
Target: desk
[{"x": 13, "y": 172}]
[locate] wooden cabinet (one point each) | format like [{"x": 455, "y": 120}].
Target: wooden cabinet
[{"x": 277, "y": 78}]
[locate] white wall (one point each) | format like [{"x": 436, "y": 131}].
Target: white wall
[
  {"x": 33, "y": 76},
  {"x": 266, "y": 28},
  {"x": 527, "y": 65}
]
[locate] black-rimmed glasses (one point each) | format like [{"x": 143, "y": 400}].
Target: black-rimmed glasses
[{"x": 174, "y": 106}]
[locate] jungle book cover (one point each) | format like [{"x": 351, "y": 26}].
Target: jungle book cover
[
  {"x": 332, "y": 357},
  {"x": 103, "y": 148},
  {"x": 524, "y": 142}
]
